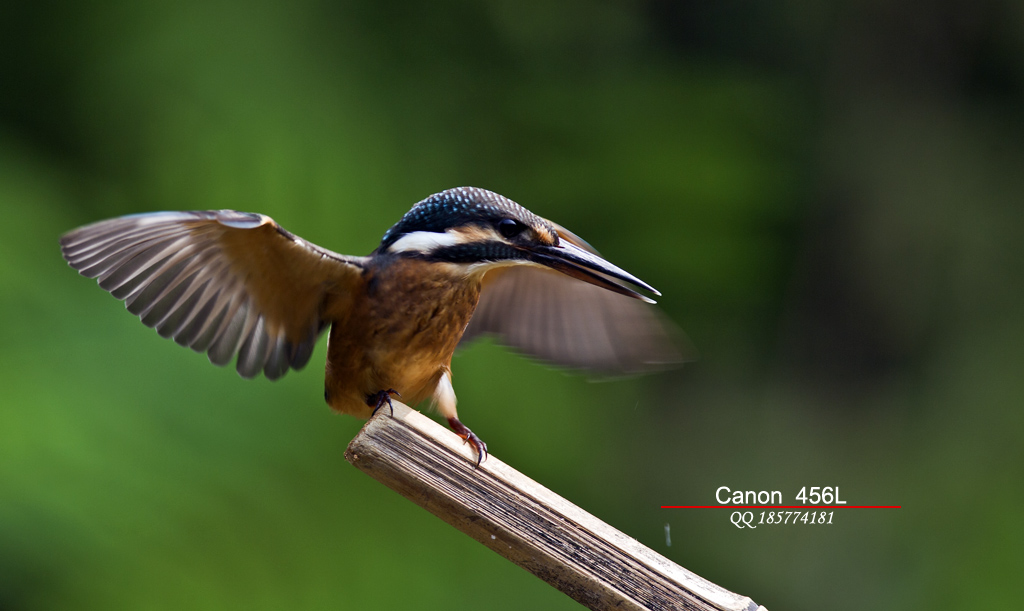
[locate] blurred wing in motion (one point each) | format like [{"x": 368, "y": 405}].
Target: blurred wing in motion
[
  {"x": 221, "y": 282},
  {"x": 550, "y": 316}
]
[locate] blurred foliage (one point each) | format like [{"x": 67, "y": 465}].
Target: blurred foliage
[{"x": 828, "y": 195}]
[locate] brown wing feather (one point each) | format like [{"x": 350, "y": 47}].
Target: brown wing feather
[
  {"x": 567, "y": 322},
  {"x": 223, "y": 282}
]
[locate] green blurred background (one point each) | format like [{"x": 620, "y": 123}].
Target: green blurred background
[{"x": 829, "y": 195}]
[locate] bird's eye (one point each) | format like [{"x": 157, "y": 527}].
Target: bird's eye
[{"x": 510, "y": 228}]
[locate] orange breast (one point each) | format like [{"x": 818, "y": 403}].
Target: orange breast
[{"x": 399, "y": 332}]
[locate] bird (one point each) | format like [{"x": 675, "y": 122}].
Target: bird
[{"x": 460, "y": 264}]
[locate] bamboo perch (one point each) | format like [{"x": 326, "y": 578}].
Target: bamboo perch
[{"x": 592, "y": 562}]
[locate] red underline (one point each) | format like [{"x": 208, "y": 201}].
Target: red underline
[{"x": 781, "y": 506}]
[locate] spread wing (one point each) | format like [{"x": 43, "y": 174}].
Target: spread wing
[
  {"x": 222, "y": 282},
  {"x": 550, "y": 316}
]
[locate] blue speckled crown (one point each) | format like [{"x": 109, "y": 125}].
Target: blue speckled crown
[{"x": 455, "y": 207}]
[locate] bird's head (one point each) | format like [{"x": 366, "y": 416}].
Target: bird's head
[{"x": 478, "y": 230}]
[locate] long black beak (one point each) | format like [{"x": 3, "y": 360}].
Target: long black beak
[{"x": 578, "y": 263}]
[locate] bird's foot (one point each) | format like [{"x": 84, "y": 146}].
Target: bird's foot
[
  {"x": 382, "y": 398},
  {"x": 467, "y": 435}
]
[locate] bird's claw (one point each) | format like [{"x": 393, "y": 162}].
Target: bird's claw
[
  {"x": 469, "y": 436},
  {"x": 381, "y": 399},
  {"x": 478, "y": 445}
]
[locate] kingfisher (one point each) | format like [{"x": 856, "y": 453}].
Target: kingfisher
[{"x": 460, "y": 264}]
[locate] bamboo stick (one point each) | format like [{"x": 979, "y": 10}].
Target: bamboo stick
[{"x": 585, "y": 558}]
